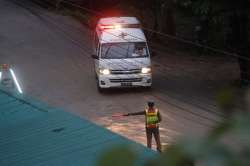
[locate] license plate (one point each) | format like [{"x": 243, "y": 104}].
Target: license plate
[{"x": 126, "y": 84}]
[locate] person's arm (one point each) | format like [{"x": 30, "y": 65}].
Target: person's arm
[
  {"x": 159, "y": 116},
  {"x": 135, "y": 113}
]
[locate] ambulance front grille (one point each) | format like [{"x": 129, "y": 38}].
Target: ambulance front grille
[
  {"x": 119, "y": 80},
  {"x": 132, "y": 71}
]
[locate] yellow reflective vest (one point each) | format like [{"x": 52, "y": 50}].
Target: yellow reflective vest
[{"x": 152, "y": 119}]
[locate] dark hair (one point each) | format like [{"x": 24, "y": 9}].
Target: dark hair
[{"x": 151, "y": 103}]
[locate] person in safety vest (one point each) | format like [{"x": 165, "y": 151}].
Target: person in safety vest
[
  {"x": 152, "y": 120},
  {"x": 6, "y": 78}
]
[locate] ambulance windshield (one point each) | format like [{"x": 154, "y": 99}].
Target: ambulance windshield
[{"x": 124, "y": 50}]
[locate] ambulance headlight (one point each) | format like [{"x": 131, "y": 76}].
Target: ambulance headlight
[
  {"x": 145, "y": 70},
  {"x": 105, "y": 71}
]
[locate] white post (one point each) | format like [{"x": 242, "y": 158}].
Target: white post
[{"x": 15, "y": 80}]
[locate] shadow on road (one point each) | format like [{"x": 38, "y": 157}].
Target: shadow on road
[{"x": 119, "y": 91}]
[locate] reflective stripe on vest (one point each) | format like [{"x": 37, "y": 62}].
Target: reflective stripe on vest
[{"x": 151, "y": 116}]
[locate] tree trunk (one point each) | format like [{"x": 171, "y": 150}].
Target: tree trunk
[
  {"x": 240, "y": 36},
  {"x": 168, "y": 18},
  {"x": 165, "y": 18}
]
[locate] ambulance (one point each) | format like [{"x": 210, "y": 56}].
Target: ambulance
[{"x": 121, "y": 54}]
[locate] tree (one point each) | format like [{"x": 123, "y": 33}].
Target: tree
[
  {"x": 235, "y": 15},
  {"x": 164, "y": 12}
]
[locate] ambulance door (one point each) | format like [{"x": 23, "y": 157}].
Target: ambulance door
[{"x": 96, "y": 52}]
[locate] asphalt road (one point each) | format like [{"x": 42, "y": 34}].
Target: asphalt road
[{"x": 51, "y": 55}]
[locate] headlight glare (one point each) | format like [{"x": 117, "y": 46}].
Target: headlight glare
[
  {"x": 145, "y": 70},
  {"x": 105, "y": 71}
]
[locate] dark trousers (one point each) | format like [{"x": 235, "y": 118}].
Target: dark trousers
[{"x": 153, "y": 131}]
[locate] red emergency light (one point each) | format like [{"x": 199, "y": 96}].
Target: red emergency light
[{"x": 103, "y": 27}]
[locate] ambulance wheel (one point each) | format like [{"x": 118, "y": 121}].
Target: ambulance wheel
[
  {"x": 149, "y": 88},
  {"x": 100, "y": 90}
]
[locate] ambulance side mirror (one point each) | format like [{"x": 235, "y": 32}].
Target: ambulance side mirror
[{"x": 94, "y": 56}]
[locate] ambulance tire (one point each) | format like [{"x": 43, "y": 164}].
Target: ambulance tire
[
  {"x": 100, "y": 90},
  {"x": 148, "y": 88}
]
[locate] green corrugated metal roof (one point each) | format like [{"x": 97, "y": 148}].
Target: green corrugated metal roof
[{"x": 35, "y": 134}]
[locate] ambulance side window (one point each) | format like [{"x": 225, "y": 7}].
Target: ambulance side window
[
  {"x": 95, "y": 42},
  {"x": 98, "y": 50},
  {"x": 96, "y": 45}
]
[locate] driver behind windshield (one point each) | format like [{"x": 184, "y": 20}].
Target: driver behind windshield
[{"x": 139, "y": 51}]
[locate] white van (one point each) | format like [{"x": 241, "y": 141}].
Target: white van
[{"x": 121, "y": 54}]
